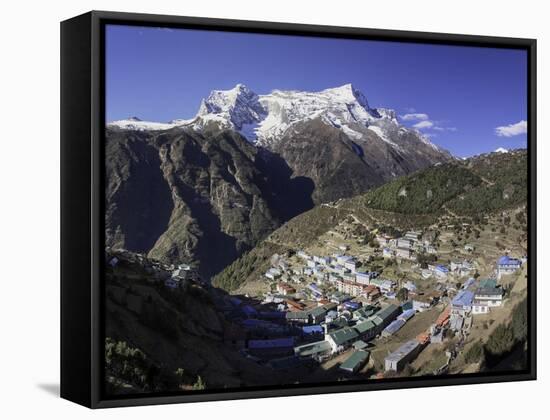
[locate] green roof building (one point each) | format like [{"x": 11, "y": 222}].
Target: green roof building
[
  {"x": 355, "y": 362},
  {"x": 318, "y": 314},
  {"x": 388, "y": 311},
  {"x": 407, "y": 305},
  {"x": 341, "y": 339},
  {"x": 299, "y": 316},
  {"x": 376, "y": 320},
  {"x": 385, "y": 316},
  {"x": 366, "y": 329},
  {"x": 360, "y": 345},
  {"x": 487, "y": 283},
  {"x": 317, "y": 349},
  {"x": 365, "y": 312}
]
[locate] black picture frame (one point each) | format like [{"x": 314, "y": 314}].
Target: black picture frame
[{"x": 82, "y": 207}]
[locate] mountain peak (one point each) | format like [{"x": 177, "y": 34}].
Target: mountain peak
[
  {"x": 241, "y": 87},
  {"x": 238, "y": 105},
  {"x": 348, "y": 93},
  {"x": 264, "y": 118}
]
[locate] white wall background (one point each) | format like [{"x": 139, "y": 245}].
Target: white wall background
[{"x": 29, "y": 222}]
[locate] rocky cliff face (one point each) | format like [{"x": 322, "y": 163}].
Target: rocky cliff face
[{"x": 204, "y": 198}]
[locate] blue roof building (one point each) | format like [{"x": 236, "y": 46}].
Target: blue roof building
[
  {"x": 468, "y": 283},
  {"x": 463, "y": 299},
  {"x": 441, "y": 271},
  {"x": 275, "y": 343},
  {"x": 235, "y": 301},
  {"x": 352, "y": 305},
  {"x": 505, "y": 260},
  {"x": 407, "y": 314},
  {"x": 507, "y": 265},
  {"x": 393, "y": 327},
  {"x": 249, "y": 311},
  {"x": 315, "y": 289},
  {"x": 312, "y": 329}
]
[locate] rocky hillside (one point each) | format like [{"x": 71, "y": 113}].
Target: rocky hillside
[
  {"x": 341, "y": 166},
  {"x": 169, "y": 340}
]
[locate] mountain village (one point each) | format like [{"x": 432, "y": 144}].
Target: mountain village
[{"x": 365, "y": 306}]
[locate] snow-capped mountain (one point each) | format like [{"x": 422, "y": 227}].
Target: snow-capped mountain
[
  {"x": 221, "y": 181},
  {"x": 501, "y": 150},
  {"x": 263, "y": 119}
]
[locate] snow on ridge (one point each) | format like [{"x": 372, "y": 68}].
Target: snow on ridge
[
  {"x": 501, "y": 150},
  {"x": 423, "y": 138},
  {"x": 380, "y": 133},
  {"x": 135, "y": 123},
  {"x": 387, "y": 113},
  {"x": 263, "y": 119}
]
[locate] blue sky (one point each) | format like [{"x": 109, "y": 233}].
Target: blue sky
[{"x": 457, "y": 95}]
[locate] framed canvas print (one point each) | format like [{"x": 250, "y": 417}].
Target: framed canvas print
[{"x": 255, "y": 209}]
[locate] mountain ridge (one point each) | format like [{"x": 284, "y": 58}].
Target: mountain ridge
[{"x": 262, "y": 119}]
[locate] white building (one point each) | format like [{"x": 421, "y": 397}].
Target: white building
[
  {"x": 362, "y": 278},
  {"x": 413, "y": 235},
  {"x": 406, "y": 253},
  {"x": 486, "y": 298},
  {"x": 400, "y": 357},
  {"x": 351, "y": 265},
  {"x": 405, "y": 243},
  {"x": 321, "y": 260},
  {"x": 349, "y": 288}
]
